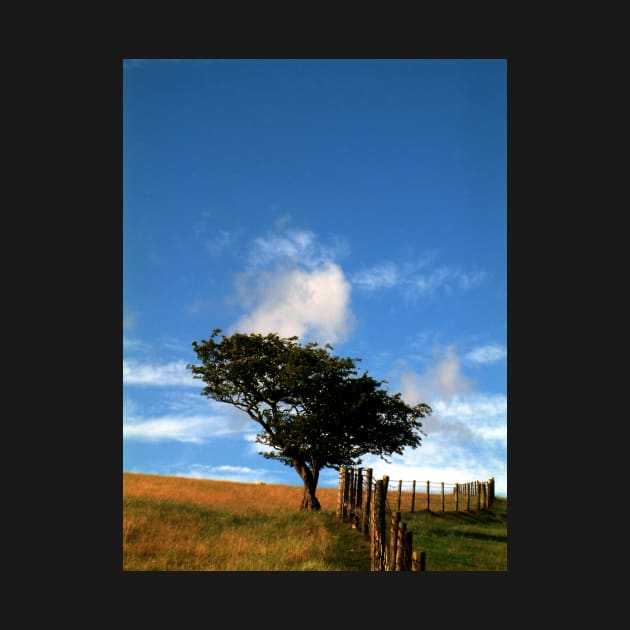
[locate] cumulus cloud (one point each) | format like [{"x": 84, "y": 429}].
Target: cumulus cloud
[
  {"x": 487, "y": 354},
  {"x": 152, "y": 374},
  {"x": 466, "y": 435},
  {"x": 442, "y": 379},
  {"x": 309, "y": 303}
]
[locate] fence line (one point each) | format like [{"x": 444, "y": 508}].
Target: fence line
[{"x": 363, "y": 502}]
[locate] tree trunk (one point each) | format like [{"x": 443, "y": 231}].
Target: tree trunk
[{"x": 309, "y": 500}]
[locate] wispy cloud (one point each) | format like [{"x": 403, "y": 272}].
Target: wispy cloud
[
  {"x": 417, "y": 278},
  {"x": 135, "y": 345},
  {"x": 378, "y": 277},
  {"x": 445, "y": 278},
  {"x": 486, "y": 354},
  {"x": 218, "y": 243},
  {"x": 199, "y": 306},
  {"x": 191, "y": 429},
  {"x": 159, "y": 375},
  {"x": 181, "y": 416},
  {"x": 130, "y": 319}
]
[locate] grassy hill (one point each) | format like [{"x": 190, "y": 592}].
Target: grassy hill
[{"x": 178, "y": 524}]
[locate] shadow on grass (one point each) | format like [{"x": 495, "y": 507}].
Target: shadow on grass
[{"x": 470, "y": 517}]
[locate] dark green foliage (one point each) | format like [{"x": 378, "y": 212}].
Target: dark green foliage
[{"x": 314, "y": 408}]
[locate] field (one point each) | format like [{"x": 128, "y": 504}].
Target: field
[{"x": 178, "y": 524}]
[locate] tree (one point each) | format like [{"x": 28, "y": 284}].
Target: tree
[{"x": 314, "y": 408}]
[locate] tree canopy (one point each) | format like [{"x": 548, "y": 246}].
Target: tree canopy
[{"x": 314, "y": 408}]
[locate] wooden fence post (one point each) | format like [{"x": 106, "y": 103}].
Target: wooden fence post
[
  {"x": 378, "y": 528},
  {"x": 413, "y": 494},
  {"x": 358, "y": 503},
  {"x": 415, "y": 561},
  {"x": 467, "y": 497},
  {"x": 341, "y": 492},
  {"x": 428, "y": 496},
  {"x": 418, "y": 560},
  {"x": 393, "y": 542},
  {"x": 365, "y": 523},
  {"x": 348, "y": 495},
  {"x": 490, "y": 491},
  {"x": 422, "y": 561},
  {"x": 442, "y": 493},
  {"x": 351, "y": 492},
  {"x": 400, "y": 549},
  {"x": 408, "y": 550},
  {"x": 456, "y": 491},
  {"x": 399, "y": 494}
]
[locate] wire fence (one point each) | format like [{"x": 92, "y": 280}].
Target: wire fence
[{"x": 375, "y": 507}]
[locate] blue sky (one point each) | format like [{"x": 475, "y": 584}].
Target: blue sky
[{"x": 358, "y": 202}]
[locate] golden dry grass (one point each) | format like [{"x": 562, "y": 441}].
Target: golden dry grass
[
  {"x": 181, "y": 524},
  {"x": 229, "y": 495}
]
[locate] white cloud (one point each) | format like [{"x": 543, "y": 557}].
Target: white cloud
[
  {"x": 168, "y": 374},
  {"x": 313, "y": 304},
  {"x": 487, "y": 354}
]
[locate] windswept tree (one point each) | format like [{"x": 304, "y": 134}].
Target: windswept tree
[{"x": 314, "y": 408}]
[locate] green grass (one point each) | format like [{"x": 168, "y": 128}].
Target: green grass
[{"x": 461, "y": 541}]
